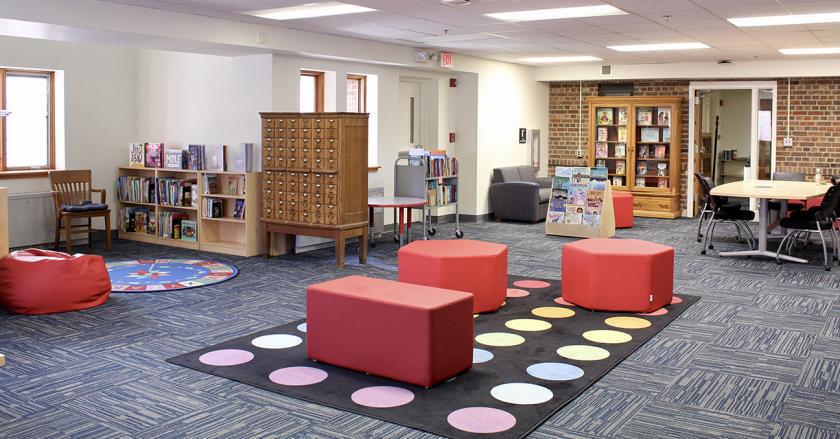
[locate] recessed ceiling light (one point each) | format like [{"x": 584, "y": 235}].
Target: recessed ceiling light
[
  {"x": 811, "y": 51},
  {"x": 783, "y": 20},
  {"x": 559, "y": 59},
  {"x": 558, "y": 13},
  {"x": 311, "y": 10},
  {"x": 654, "y": 47}
]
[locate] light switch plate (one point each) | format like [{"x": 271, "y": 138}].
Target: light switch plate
[{"x": 788, "y": 141}]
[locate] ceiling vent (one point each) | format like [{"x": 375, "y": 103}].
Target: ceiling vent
[
  {"x": 455, "y": 2},
  {"x": 606, "y": 70}
]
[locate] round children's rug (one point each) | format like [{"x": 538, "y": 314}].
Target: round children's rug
[{"x": 166, "y": 274}]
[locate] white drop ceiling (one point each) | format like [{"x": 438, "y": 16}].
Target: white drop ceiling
[{"x": 464, "y": 29}]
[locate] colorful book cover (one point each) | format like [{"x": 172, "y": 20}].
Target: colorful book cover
[
  {"x": 666, "y": 134},
  {"x": 645, "y": 116},
  {"x": 563, "y": 171},
  {"x": 643, "y": 151},
  {"x": 600, "y": 163},
  {"x": 594, "y": 201},
  {"x": 622, "y": 134},
  {"x": 188, "y": 230},
  {"x": 215, "y": 157},
  {"x": 559, "y": 194},
  {"x": 662, "y": 169},
  {"x": 136, "y": 155},
  {"x": 659, "y": 152},
  {"x": 591, "y": 220},
  {"x": 598, "y": 173},
  {"x": 598, "y": 185},
  {"x": 641, "y": 169},
  {"x": 601, "y": 149},
  {"x": 620, "y": 167},
  {"x": 650, "y": 135},
  {"x": 556, "y": 217},
  {"x": 664, "y": 116},
  {"x": 580, "y": 175},
  {"x": 574, "y": 214},
  {"x": 172, "y": 159},
  {"x": 154, "y": 155},
  {"x": 618, "y": 181},
  {"x": 662, "y": 183},
  {"x": 577, "y": 195},
  {"x": 605, "y": 116},
  {"x": 622, "y": 116},
  {"x": 195, "y": 152},
  {"x": 620, "y": 150},
  {"x": 640, "y": 182},
  {"x": 602, "y": 134}
]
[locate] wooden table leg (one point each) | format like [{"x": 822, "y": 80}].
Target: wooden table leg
[
  {"x": 370, "y": 226},
  {"x": 108, "y": 231},
  {"x": 291, "y": 242},
  {"x": 339, "y": 250},
  {"x": 68, "y": 233},
  {"x": 363, "y": 246},
  {"x": 267, "y": 242}
]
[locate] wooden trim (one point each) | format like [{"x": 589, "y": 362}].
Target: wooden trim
[
  {"x": 362, "y": 80},
  {"x": 319, "y": 88},
  {"x": 27, "y": 172},
  {"x": 373, "y": 169},
  {"x": 32, "y": 173}
]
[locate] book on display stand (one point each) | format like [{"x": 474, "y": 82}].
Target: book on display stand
[{"x": 580, "y": 204}]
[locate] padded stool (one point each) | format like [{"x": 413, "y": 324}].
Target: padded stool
[
  {"x": 476, "y": 267},
  {"x": 618, "y": 274},
  {"x": 37, "y": 281},
  {"x": 623, "y": 207},
  {"x": 410, "y": 333}
]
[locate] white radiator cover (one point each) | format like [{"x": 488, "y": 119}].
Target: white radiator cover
[{"x": 31, "y": 219}]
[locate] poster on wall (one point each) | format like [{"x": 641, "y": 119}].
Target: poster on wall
[{"x": 580, "y": 203}]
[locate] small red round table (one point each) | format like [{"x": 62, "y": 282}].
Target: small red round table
[{"x": 401, "y": 204}]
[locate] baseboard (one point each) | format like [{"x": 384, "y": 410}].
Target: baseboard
[{"x": 79, "y": 239}]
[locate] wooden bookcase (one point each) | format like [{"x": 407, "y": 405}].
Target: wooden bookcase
[
  {"x": 4, "y": 221},
  {"x": 315, "y": 178},
  {"x": 642, "y": 136},
  {"x": 235, "y": 236}
]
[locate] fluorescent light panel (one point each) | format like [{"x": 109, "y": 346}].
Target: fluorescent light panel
[
  {"x": 784, "y": 20},
  {"x": 655, "y": 47},
  {"x": 558, "y": 13},
  {"x": 811, "y": 51},
  {"x": 311, "y": 10},
  {"x": 559, "y": 59}
]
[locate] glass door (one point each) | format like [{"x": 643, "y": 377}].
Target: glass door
[
  {"x": 611, "y": 132},
  {"x": 653, "y": 148}
]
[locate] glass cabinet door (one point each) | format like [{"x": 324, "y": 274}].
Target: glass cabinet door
[
  {"x": 611, "y": 131},
  {"x": 653, "y": 148}
]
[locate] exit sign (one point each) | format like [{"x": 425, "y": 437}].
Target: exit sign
[{"x": 446, "y": 60}]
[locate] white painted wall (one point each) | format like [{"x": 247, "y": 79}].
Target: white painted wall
[{"x": 734, "y": 120}]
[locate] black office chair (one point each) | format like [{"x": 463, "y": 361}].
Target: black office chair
[
  {"x": 723, "y": 213},
  {"x": 822, "y": 220},
  {"x": 706, "y": 205}
]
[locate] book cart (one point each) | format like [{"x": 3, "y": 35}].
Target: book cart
[
  {"x": 580, "y": 204},
  {"x": 433, "y": 178}
]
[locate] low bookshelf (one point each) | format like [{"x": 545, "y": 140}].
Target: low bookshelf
[{"x": 160, "y": 193}]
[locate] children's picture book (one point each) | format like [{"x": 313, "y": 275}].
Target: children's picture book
[
  {"x": 598, "y": 173},
  {"x": 662, "y": 183},
  {"x": 601, "y": 149},
  {"x": 640, "y": 181},
  {"x": 172, "y": 159},
  {"x": 620, "y": 167},
  {"x": 600, "y": 163},
  {"x": 154, "y": 155},
  {"x": 622, "y": 116},
  {"x": 664, "y": 116},
  {"x": 215, "y": 158},
  {"x": 574, "y": 214},
  {"x": 643, "y": 152},
  {"x": 618, "y": 181},
  {"x": 666, "y": 134},
  {"x": 641, "y": 168},
  {"x": 196, "y": 157},
  {"x": 602, "y": 134},
  {"x": 662, "y": 169},
  {"x": 563, "y": 171},
  {"x": 136, "y": 155},
  {"x": 232, "y": 186},
  {"x": 645, "y": 116},
  {"x": 620, "y": 150},
  {"x": 604, "y": 115},
  {"x": 239, "y": 157},
  {"x": 659, "y": 152},
  {"x": 239, "y": 209},
  {"x": 559, "y": 194},
  {"x": 594, "y": 201},
  {"x": 188, "y": 230},
  {"x": 556, "y": 217},
  {"x": 577, "y": 195},
  {"x": 622, "y": 134},
  {"x": 580, "y": 175},
  {"x": 591, "y": 220},
  {"x": 650, "y": 135}
]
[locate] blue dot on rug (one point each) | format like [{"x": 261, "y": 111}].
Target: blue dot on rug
[{"x": 145, "y": 275}]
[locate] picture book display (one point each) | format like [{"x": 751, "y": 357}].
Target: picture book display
[
  {"x": 659, "y": 152},
  {"x": 664, "y": 116},
  {"x": 622, "y": 134},
  {"x": 622, "y": 116},
  {"x": 577, "y": 202},
  {"x": 154, "y": 155},
  {"x": 649, "y": 134},
  {"x": 666, "y": 135},
  {"x": 601, "y": 150},
  {"x": 602, "y": 134},
  {"x": 620, "y": 150},
  {"x": 173, "y": 159},
  {"x": 604, "y": 116},
  {"x": 620, "y": 168},
  {"x": 215, "y": 158},
  {"x": 645, "y": 116},
  {"x": 137, "y": 155}
]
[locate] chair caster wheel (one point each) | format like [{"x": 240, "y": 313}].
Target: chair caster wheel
[
  {"x": 827, "y": 268},
  {"x": 396, "y": 239},
  {"x": 459, "y": 233},
  {"x": 702, "y": 252},
  {"x": 432, "y": 231},
  {"x": 711, "y": 247}
]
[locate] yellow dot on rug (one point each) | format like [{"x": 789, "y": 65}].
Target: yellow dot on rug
[
  {"x": 627, "y": 322},
  {"x": 607, "y": 336},
  {"x": 528, "y": 325},
  {"x": 552, "y": 312},
  {"x": 500, "y": 339},
  {"x": 581, "y": 352}
]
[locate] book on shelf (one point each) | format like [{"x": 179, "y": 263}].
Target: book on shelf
[
  {"x": 641, "y": 169},
  {"x": 602, "y": 134},
  {"x": 239, "y": 158},
  {"x": 645, "y": 116},
  {"x": 600, "y": 163},
  {"x": 643, "y": 152},
  {"x": 189, "y": 230},
  {"x": 438, "y": 194},
  {"x": 601, "y": 150},
  {"x": 662, "y": 183},
  {"x": 622, "y": 134},
  {"x": 662, "y": 169},
  {"x": 620, "y": 150},
  {"x": 441, "y": 165},
  {"x": 622, "y": 116},
  {"x": 664, "y": 116},
  {"x": 580, "y": 175},
  {"x": 175, "y": 192},
  {"x": 640, "y": 181},
  {"x": 137, "y": 220},
  {"x": 574, "y": 214},
  {"x": 173, "y": 159},
  {"x": 136, "y": 189},
  {"x": 604, "y": 116},
  {"x": 666, "y": 134},
  {"x": 556, "y": 217},
  {"x": 211, "y": 184},
  {"x": 659, "y": 152},
  {"x": 154, "y": 155},
  {"x": 137, "y": 155},
  {"x": 620, "y": 167},
  {"x": 215, "y": 158},
  {"x": 169, "y": 224},
  {"x": 196, "y": 157},
  {"x": 213, "y": 208},
  {"x": 233, "y": 186},
  {"x": 650, "y": 134},
  {"x": 618, "y": 181},
  {"x": 239, "y": 209},
  {"x": 591, "y": 220}
]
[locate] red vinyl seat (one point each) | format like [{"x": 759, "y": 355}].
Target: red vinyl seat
[
  {"x": 618, "y": 274},
  {"x": 411, "y": 333},
  {"x": 623, "y": 207},
  {"x": 37, "y": 281},
  {"x": 476, "y": 267}
]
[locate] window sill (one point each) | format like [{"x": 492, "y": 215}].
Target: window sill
[
  {"x": 372, "y": 169},
  {"x": 35, "y": 173}
]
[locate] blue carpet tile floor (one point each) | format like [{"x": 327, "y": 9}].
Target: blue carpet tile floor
[{"x": 758, "y": 356}]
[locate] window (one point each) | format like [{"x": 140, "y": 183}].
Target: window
[
  {"x": 311, "y": 91},
  {"x": 27, "y": 133},
  {"x": 356, "y": 94}
]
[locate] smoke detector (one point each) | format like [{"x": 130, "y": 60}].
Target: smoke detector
[{"x": 455, "y": 2}]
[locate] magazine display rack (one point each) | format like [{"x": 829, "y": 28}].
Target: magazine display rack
[
  {"x": 432, "y": 177},
  {"x": 580, "y": 204}
]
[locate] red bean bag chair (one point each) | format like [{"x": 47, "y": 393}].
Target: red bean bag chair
[{"x": 34, "y": 281}]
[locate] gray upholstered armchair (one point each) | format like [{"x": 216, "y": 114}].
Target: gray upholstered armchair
[{"x": 517, "y": 194}]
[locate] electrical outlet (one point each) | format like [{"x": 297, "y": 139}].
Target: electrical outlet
[
  {"x": 788, "y": 141},
  {"x": 579, "y": 154}
]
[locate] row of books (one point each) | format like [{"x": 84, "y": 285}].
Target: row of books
[
  {"x": 177, "y": 225},
  {"x": 137, "y": 220},
  {"x": 653, "y": 135},
  {"x": 177, "y": 192},
  {"x": 603, "y": 134},
  {"x": 643, "y": 169},
  {"x": 661, "y": 183},
  {"x": 439, "y": 194},
  {"x": 645, "y": 116},
  {"x": 172, "y": 225},
  {"x": 224, "y": 184},
  {"x": 215, "y": 208},
  {"x": 658, "y": 152},
  {"x": 237, "y": 158},
  {"x": 441, "y": 166},
  {"x": 136, "y": 189}
]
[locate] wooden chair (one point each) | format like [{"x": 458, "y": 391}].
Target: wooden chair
[{"x": 71, "y": 191}]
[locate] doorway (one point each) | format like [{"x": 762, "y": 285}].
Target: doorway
[
  {"x": 732, "y": 135},
  {"x": 410, "y": 132}
]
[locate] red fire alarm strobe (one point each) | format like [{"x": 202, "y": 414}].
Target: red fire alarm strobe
[
  {"x": 451, "y": 137},
  {"x": 453, "y": 82}
]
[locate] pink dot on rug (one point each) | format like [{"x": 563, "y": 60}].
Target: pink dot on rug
[
  {"x": 297, "y": 376},
  {"x": 658, "y": 312},
  {"x": 382, "y": 396},
  {"x": 676, "y": 300},
  {"x": 226, "y": 357},
  {"x": 563, "y": 301},
  {"x": 531, "y": 284},
  {"x": 516, "y": 292},
  {"x": 481, "y": 420}
]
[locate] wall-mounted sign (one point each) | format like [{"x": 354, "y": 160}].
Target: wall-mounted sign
[
  {"x": 446, "y": 60},
  {"x": 523, "y": 135}
]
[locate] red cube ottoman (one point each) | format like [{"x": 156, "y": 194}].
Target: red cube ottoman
[
  {"x": 623, "y": 207},
  {"x": 37, "y": 281},
  {"x": 476, "y": 267},
  {"x": 618, "y": 274},
  {"x": 410, "y": 333}
]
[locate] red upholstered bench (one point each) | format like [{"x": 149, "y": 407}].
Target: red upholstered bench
[
  {"x": 476, "y": 267},
  {"x": 410, "y": 333},
  {"x": 623, "y": 207},
  {"x": 618, "y": 274}
]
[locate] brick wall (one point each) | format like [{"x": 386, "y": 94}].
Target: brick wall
[{"x": 814, "y": 121}]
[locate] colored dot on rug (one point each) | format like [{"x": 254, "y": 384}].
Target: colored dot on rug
[
  {"x": 555, "y": 371},
  {"x": 607, "y": 336},
  {"x": 516, "y": 292},
  {"x": 481, "y": 356},
  {"x": 481, "y": 420},
  {"x": 658, "y": 312},
  {"x": 552, "y": 312},
  {"x": 297, "y": 376},
  {"x": 563, "y": 301},
  {"x": 528, "y": 325},
  {"x": 676, "y": 300},
  {"x": 521, "y": 393},
  {"x": 276, "y": 341},
  {"x": 627, "y": 322},
  {"x": 531, "y": 284},
  {"x": 501, "y": 339},
  {"x": 226, "y": 357},
  {"x": 583, "y": 352},
  {"x": 382, "y": 396},
  {"x": 302, "y": 327}
]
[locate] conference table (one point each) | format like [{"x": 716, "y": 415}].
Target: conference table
[{"x": 764, "y": 191}]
